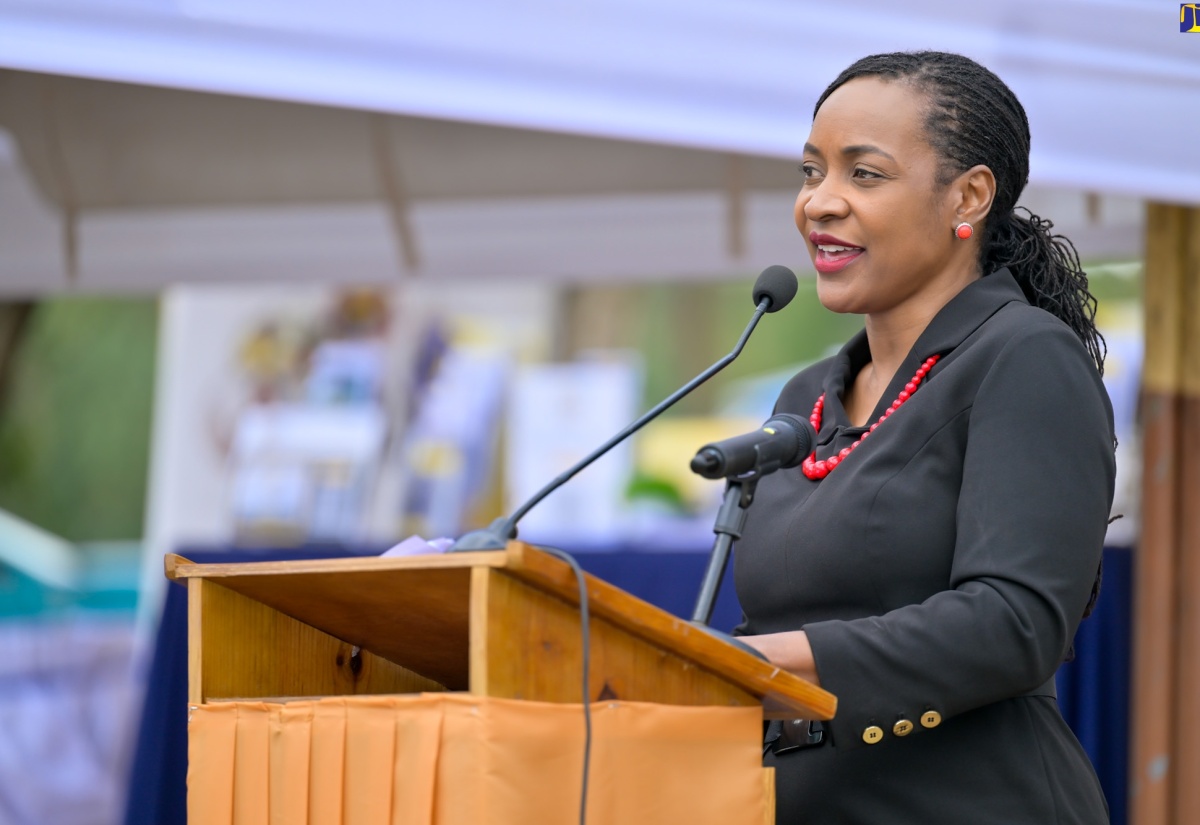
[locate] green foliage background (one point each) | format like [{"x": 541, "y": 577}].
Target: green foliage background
[
  {"x": 686, "y": 327},
  {"x": 75, "y": 431}
]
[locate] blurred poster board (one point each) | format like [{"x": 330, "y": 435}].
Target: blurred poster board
[
  {"x": 305, "y": 471},
  {"x": 557, "y": 414},
  {"x": 450, "y": 447}
]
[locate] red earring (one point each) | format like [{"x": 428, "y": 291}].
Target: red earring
[{"x": 963, "y": 230}]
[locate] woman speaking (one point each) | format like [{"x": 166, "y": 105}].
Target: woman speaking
[{"x": 930, "y": 562}]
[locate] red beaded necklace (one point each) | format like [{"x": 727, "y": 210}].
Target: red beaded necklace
[{"x": 817, "y": 470}]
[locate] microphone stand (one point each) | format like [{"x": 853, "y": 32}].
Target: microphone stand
[{"x": 731, "y": 519}]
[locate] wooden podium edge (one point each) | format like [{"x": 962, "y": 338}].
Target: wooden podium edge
[
  {"x": 177, "y": 568},
  {"x": 171, "y": 564},
  {"x": 784, "y": 695},
  {"x": 781, "y": 690}
]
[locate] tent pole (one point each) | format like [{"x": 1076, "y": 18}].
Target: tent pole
[
  {"x": 735, "y": 205},
  {"x": 1165, "y": 719},
  {"x": 394, "y": 191},
  {"x": 64, "y": 182}
]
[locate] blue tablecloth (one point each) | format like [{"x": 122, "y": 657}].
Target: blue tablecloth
[{"x": 1093, "y": 690}]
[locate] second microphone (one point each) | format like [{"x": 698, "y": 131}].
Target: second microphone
[{"x": 783, "y": 441}]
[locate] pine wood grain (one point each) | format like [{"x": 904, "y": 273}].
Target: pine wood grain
[
  {"x": 533, "y": 647},
  {"x": 769, "y": 796},
  {"x": 441, "y": 615},
  {"x": 240, "y": 647},
  {"x": 411, "y": 611},
  {"x": 783, "y": 695}
]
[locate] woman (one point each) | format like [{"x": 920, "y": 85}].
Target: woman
[{"x": 930, "y": 563}]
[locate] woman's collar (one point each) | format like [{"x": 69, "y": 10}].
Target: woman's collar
[{"x": 958, "y": 319}]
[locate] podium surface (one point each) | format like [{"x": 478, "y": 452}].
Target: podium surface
[{"x": 493, "y": 623}]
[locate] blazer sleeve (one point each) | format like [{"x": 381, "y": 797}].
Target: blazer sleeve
[{"x": 1033, "y": 507}]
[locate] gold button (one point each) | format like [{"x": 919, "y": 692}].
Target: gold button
[
  {"x": 873, "y": 734},
  {"x": 931, "y": 719},
  {"x": 903, "y": 727}
]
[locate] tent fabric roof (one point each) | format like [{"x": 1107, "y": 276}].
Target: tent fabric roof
[
  {"x": 1112, "y": 88},
  {"x": 109, "y": 186},
  {"x": 128, "y": 146}
]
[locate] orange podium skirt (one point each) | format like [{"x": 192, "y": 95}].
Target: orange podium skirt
[{"x": 460, "y": 759}]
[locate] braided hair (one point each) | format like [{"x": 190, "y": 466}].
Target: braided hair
[{"x": 974, "y": 118}]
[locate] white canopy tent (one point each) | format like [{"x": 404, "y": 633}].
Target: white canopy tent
[
  {"x": 160, "y": 141},
  {"x": 1109, "y": 85},
  {"x": 145, "y": 143}
]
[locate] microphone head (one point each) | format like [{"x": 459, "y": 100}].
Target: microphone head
[
  {"x": 707, "y": 462},
  {"x": 777, "y": 283},
  {"x": 806, "y": 437}
]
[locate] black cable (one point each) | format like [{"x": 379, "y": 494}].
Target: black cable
[{"x": 585, "y": 628}]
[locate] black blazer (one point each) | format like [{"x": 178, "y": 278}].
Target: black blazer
[{"x": 940, "y": 573}]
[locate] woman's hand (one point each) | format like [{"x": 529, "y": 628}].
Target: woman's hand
[{"x": 789, "y": 651}]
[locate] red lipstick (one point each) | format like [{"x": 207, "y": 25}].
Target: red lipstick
[{"x": 833, "y": 254}]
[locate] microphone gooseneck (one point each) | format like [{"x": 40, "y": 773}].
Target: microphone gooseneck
[{"x": 774, "y": 289}]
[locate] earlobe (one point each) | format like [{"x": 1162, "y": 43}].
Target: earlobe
[{"x": 973, "y": 193}]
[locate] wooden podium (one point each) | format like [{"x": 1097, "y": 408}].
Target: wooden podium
[{"x": 502, "y": 624}]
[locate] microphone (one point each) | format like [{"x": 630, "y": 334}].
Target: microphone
[
  {"x": 774, "y": 289},
  {"x": 776, "y": 284},
  {"x": 783, "y": 441}
]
